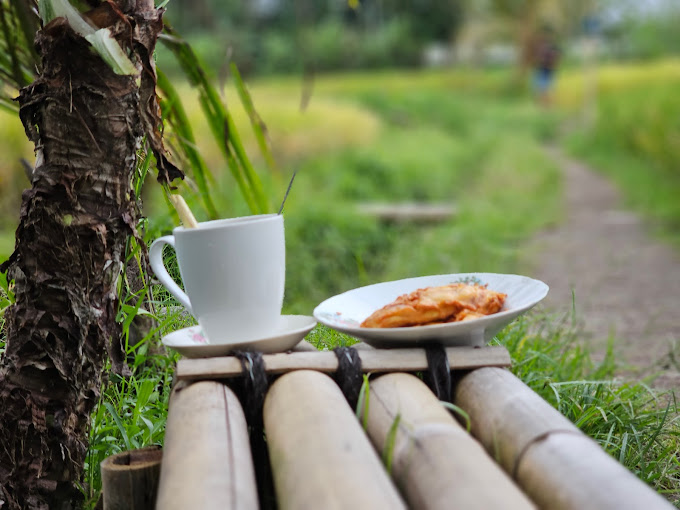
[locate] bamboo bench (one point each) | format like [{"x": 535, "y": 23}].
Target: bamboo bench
[
  {"x": 520, "y": 453},
  {"x": 408, "y": 212}
]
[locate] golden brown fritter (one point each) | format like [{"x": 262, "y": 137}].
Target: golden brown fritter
[{"x": 431, "y": 305}]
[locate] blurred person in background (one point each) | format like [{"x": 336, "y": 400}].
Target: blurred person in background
[{"x": 544, "y": 58}]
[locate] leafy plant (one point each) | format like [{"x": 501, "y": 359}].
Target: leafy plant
[{"x": 221, "y": 125}]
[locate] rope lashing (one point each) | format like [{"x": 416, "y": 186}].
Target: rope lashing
[
  {"x": 438, "y": 375},
  {"x": 349, "y": 376},
  {"x": 252, "y": 391}
]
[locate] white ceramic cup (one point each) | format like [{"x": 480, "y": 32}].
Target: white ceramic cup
[{"x": 233, "y": 271}]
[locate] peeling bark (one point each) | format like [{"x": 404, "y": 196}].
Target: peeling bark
[{"x": 87, "y": 124}]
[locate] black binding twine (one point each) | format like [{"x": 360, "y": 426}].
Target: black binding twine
[
  {"x": 252, "y": 390},
  {"x": 438, "y": 375},
  {"x": 349, "y": 374}
]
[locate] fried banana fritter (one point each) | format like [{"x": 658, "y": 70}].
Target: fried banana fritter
[{"x": 433, "y": 305}]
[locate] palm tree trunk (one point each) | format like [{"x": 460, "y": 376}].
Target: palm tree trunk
[{"x": 87, "y": 124}]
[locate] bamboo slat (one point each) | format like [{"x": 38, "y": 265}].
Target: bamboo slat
[
  {"x": 321, "y": 459},
  {"x": 569, "y": 471},
  {"x": 506, "y": 415},
  {"x": 206, "y": 462},
  {"x": 435, "y": 462},
  {"x": 130, "y": 479},
  {"x": 372, "y": 360},
  {"x": 555, "y": 464}
]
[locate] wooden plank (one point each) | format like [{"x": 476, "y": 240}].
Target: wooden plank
[
  {"x": 435, "y": 462},
  {"x": 408, "y": 211},
  {"x": 556, "y": 465},
  {"x": 320, "y": 456},
  {"x": 372, "y": 360},
  {"x": 206, "y": 460}
]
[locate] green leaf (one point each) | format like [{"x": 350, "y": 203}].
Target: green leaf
[
  {"x": 101, "y": 40},
  {"x": 259, "y": 128},
  {"x": 180, "y": 122},
  {"x": 459, "y": 411},
  {"x": 363, "y": 401},
  {"x": 51, "y": 9},
  {"x": 111, "y": 52},
  {"x": 390, "y": 441},
  {"x": 119, "y": 424}
]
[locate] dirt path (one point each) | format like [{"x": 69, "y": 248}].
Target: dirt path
[{"x": 626, "y": 283}]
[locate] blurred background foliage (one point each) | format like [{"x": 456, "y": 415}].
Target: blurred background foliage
[
  {"x": 364, "y": 95},
  {"x": 398, "y": 100},
  {"x": 294, "y": 36}
]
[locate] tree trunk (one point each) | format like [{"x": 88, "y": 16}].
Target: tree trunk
[{"x": 87, "y": 124}]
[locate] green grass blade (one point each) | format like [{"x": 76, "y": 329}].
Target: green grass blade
[
  {"x": 460, "y": 412},
  {"x": 259, "y": 127},
  {"x": 28, "y": 24},
  {"x": 248, "y": 170},
  {"x": 390, "y": 441},
  {"x": 119, "y": 424},
  {"x": 363, "y": 402},
  {"x": 221, "y": 123},
  {"x": 142, "y": 171},
  {"x": 9, "y": 106},
  {"x": 15, "y": 69},
  {"x": 624, "y": 448},
  {"x": 655, "y": 434},
  {"x": 180, "y": 122}
]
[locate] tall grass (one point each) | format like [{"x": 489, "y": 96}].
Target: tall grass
[
  {"x": 635, "y": 137},
  {"x": 639, "y": 148}
]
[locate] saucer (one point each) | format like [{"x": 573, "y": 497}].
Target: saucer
[{"x": 192, "y": 343}]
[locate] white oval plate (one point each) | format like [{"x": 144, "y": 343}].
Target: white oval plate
[
  {"x": 346, "y": 311},
  {"x": 192, "y": 343}
]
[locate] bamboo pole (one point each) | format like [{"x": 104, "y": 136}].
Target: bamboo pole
[
  {"x": 130, "y": 479},
  {"x": 372, "y": 360},
  {"x": 321, "y": 459},
  {"x": 207, "y": 462},
  {"x": 558, "y": 466},
  {"x": 506, "y": 415},
  {"x": 434, "y": 461}
]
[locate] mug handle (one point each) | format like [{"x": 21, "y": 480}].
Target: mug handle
[{"x": 156, "y": 261}]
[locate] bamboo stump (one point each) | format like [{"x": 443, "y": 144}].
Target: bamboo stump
[
  {"x": 130, "y": 479},
  {"x": 207, "y": 462},
  {"x": 557, "y": 465},
  {"x": 320, "y": 456},
  {"x": 435, "y": 462}
]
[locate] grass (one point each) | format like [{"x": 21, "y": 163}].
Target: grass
[{"x": 458, "y": 137}]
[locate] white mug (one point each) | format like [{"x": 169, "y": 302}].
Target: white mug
[{"x": 233, "y": 271}]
